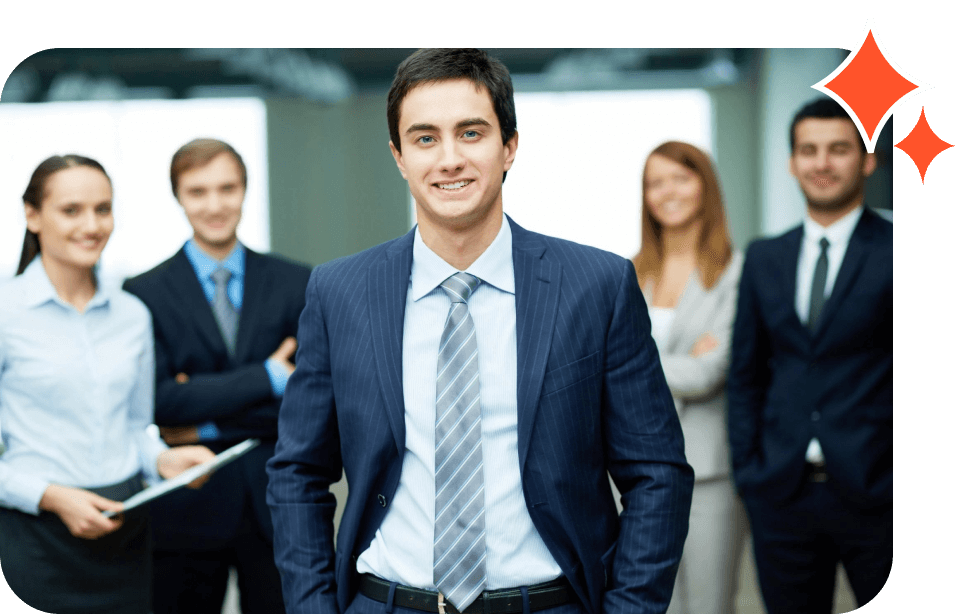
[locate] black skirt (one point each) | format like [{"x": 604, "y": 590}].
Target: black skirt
[{"x": 52, "y": 571}]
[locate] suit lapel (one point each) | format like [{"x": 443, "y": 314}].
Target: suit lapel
[
  {"x": 789, "y": 258},
  {"x": 537, "y": 288},
  {"x": 255, "y": 292},
  {"x": 853, "y": 259},
  {"x": 387, "y": 291},
  {"x": 186, "y": 290}
]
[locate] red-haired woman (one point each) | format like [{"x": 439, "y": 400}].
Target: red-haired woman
[{"x": 689, "y": 273}]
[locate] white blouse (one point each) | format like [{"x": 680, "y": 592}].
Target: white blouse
[{"x": 662, "y": 322}]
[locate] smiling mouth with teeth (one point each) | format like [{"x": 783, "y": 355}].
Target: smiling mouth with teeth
[{"x": 453, "y": 186}]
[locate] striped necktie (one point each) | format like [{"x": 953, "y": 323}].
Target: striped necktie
[
  {"x": 226, "y": 315},
  {"x": 459, "y": 481}
]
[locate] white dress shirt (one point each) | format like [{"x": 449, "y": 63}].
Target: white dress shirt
[
  {"x": 403, "y": 548},
  {"x": 838, "y": 235},
  {"x": 76, "y": 390}
]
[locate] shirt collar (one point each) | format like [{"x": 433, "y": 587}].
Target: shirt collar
[
  {"x": 38, "y": 289},
  {"x": 495, "y": 266},
  {"x": 205, "y": 265},
  {"x": 837, "y": 233}
]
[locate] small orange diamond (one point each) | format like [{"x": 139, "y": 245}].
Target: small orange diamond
[{"x": 922, "y": 145}]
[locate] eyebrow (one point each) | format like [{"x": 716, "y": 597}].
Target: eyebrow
[
  {"x": 80, "y": 204},
  {"x": 472, "y": 121},
  {"x": 845, "y": 142}
]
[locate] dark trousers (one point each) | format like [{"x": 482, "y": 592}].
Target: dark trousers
[
  {"x": 195, "y": 582},
  {"x": 797, "y": 546}
]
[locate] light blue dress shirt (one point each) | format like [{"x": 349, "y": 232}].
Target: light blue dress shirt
[
  {"x": 204, "y": 266},
  {"x": 76, "y": 390},
  {"x": 403, "y": 548}
]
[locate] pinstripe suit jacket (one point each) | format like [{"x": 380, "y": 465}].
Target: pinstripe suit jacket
[{"x": 591, "y": 400}]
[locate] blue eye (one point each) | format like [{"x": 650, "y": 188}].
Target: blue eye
[
  {"x": 425, "y": 140},
  {"x": 470, "y": 134}
]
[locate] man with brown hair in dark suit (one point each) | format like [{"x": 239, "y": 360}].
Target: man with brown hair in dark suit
[{"x": 225, "y": 320}]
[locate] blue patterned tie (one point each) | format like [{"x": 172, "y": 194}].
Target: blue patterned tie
[
  {"x": 459, "y": 480},
  {"x": 226, "y": 315}
]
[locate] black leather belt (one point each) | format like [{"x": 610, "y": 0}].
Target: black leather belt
[
  {"x": 816, "y": 472},
  {"x": 505, "y": 601}
]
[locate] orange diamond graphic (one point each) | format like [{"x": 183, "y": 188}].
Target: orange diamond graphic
[
  {"x": 869, "y": 85},
  {"x": 922, "y": 145}
]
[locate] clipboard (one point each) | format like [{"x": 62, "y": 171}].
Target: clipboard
[{"x": 166, "y": 486}]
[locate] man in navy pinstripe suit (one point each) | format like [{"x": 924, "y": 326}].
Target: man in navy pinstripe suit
[{"x": 566, "y": 377}]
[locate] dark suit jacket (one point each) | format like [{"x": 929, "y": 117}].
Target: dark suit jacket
[
  {"x": 235, "y": 393},
  {"x": 787, "y": 385},
  {"x": 591, "y": 399}
]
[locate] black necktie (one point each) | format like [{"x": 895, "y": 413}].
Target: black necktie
[{"x": 818, "y": 286}]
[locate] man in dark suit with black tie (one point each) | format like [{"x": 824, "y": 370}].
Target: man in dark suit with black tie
[
  {"x": 225, "y": 320},
  {"x": 477, "y": 382},
  {"x": 810, "y": 390}
]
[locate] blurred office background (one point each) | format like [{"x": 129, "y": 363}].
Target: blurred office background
[{"x": 310, "y": 124}]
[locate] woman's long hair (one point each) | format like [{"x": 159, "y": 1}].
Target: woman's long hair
[
  {"x": 714, "y": 250},
  {"x": 36, "y": 190}
]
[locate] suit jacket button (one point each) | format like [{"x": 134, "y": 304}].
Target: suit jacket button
[
  {"x": 815, "y": 416},
  {"x": 382, "y": 500}
]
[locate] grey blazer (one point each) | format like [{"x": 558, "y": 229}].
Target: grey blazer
[{"x": 697, "y": 384}]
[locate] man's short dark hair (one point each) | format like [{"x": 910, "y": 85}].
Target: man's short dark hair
[
  {"x": 821, "y": 108},
  {"x": 432, "y": 65}
]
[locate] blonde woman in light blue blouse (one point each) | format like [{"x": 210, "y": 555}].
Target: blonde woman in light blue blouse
[{"x": 76, "y": 396}]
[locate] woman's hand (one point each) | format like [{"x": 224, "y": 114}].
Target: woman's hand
[
  {"x": 174, "y": 461},
  {"x": 81, "y": 511},
  {"x": 705, "y": 343}
]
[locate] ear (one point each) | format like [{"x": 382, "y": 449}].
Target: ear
[
  {"x": 33, "y": 218},
  {"x": 511, "y": 148},
  {"x": 869, "y": 164},
  {"x": 793, "y": 169},
  {"x": 398, "y": 159}
]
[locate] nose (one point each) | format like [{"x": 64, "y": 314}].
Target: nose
[
  {"x": 215, "y": 202},
  {"x": 91, "y": 222},
  {"x": 452, "y": 159},
  {"x": 822, "y": 161}
]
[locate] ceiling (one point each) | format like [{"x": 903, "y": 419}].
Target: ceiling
[{"x": 329, "y": 75}]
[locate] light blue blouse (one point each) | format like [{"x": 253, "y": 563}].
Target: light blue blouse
[{"x": 76, "y": 390}]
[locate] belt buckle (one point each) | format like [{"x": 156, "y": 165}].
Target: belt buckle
[{"x": 441, "y": 603}]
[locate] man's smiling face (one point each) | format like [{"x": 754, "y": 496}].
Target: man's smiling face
[
  {"x": 452, "y": 155},
  {"x": 829, "y": 164}
]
